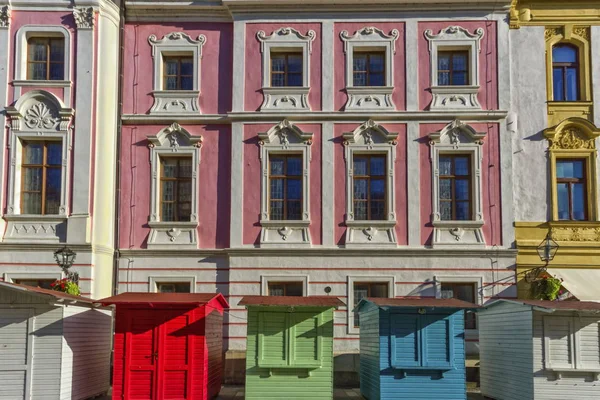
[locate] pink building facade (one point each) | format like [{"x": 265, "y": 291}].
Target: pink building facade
[
  {"x": 59, "y": 118},
  {"x": 308, "y": 152}
]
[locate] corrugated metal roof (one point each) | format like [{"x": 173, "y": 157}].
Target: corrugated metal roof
[
  {"x": 291, "y": 301},
  {"x": 555, "y": 305},
  {"x": 45, "y": 292},
  {"x": 423, "y": 302},
  {"x": 163, "y": 298}
]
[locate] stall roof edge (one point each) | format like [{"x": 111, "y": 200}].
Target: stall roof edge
[
  {"x": 59, "y": 296},
  {"x": 425, "y": 302},
  {"x": 292, "y": 301},
  {"x": 163, "y": 298},
  {"x": 551, "y": 306}
]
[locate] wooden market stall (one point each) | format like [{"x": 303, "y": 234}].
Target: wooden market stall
[
  {"x": 412, "y": 349},
  {"x": 167, "y": 345},
  {"x": 542, "y": 350},
  {"x": 52, "y": 345},
  {"x": 289, "y": 351}
]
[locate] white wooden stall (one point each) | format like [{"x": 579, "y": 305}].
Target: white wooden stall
[
  {"x": 540, "y": 350},
  {"x": 53, "y": 346}
]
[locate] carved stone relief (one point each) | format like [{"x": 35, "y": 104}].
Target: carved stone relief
[
  {"x": 4, "y": 17},
  {"x": 571, "y": 138},
  {"x": 577, "y": 234},
  {"x": 84, "y": 17}
]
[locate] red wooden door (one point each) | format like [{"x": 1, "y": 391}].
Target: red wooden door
[{"x": 159, "y": 355}]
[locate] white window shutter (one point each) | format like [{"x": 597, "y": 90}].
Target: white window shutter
[
  {"x": 588, "y": 343},
  {"x": 558, "y": 343}
]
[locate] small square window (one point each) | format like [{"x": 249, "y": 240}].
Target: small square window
[
  {"x": 41, "y": 283},
  {"x": 41, "y": 180},
  {"x": 178, "y": 73},
  {"x": 368, "y": 68},
  {"x": 45, "y": 58},
  {"x": 173, "y": 287},
  {"x": 175, "y": 188},
  {"x": 368, "y": 289},
  {"x": 453, "y": 68},
  {"x": 285, "y": 289},
  {"x": 286, "y": 69},
  {"x": 462, "y": 291}
]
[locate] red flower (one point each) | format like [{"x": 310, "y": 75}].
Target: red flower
[
  {"x": 52, "y": 284},
  {"x": 62, "y": 285}
]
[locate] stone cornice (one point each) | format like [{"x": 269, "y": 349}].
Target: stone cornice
[{"x": 553, "y": 12}]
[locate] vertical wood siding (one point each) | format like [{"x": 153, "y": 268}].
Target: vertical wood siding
[
  {"x": 47, "y": 350},
  {"x": 214, "y": 348},
  {"x": 86, "y": 348},
  {"x": 572, "y": 385},
  {"x": 290, "y": 383},
  {"x": 505, "y": 340},
  {"x": 14, "y": 324},
  {"x": 369, "y": 352}
]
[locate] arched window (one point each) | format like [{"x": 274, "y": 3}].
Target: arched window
[{"x": 565, "y": 72}]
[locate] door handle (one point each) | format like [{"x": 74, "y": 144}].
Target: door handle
[{"x": 155, "y": 356}]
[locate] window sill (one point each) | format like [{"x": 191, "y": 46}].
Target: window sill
[
  {"x": 558, "y": 372},
  {"x": 45, "y": 83},
  {"x": 291, "y": 234},
  {"x": 454, "y": 98},
  {"x": 175, "y": 102},
  {"x": 288, "y": 98},
  {"x": 361, "y": 234},
  {"x": 460, "y": 224},
  {"x": 369, "y": 98},
  {"x": 458, "y": 234},
  {"x": 35, "y": 228},
  {"x": 173, "y": 235}
]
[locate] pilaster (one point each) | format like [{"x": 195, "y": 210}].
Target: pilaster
[
  {"x": 237, "y": 185},
  {"x": 328, "y": 184},
  {"x": 413, "y": 184},
  {"x": 5, "y": 50}
]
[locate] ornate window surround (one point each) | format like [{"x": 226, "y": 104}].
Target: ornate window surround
[
  {"x": 265, "y": 279},
  {"x": 173, "y": 141},
  {"x": 37, "y": 115},
  {"x": 174, "y": 103},
  {"x": 371, "y": 138},
  {"x": 154, "y": 280},
  {"x": 574, "y": 138},
  {"x": 285, "y": 138},
  {"x": 20, "y": 74},
  {"x": 457, "y": 138},
  {"x": 285, "y": 98},
  {"x": 370, "y": 98},
  {"x": 580, "y": 37},
  {"x": 455, "y": 97},
  {"x": 390, "y": 280}
]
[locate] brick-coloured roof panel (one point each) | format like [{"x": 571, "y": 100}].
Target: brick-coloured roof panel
[
  {"x": 161, "y": 298},
  {"x": 559, "y": 305},
  {"x": 47, "y": 292},
  {"x": 292, "y": 301},
  {"x": 423, "y": 302}
]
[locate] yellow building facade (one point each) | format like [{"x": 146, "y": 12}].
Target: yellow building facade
[{"x": 569, "y": 178}]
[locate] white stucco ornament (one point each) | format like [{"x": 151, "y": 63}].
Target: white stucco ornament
[
  {"x": 84, "y": 17},
  {"x": 4, "y": 17}
]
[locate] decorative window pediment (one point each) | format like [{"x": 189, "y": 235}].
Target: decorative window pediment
[
  {"x": 37, "y": 117},
  {"x": 368, "y": 140},
  {"x": 573, "y": 140},
  {"x": 285, "y": 98},
  {"x": 173, "y": 143},
  {"x": 451, "y": 97},
  {"x": 370, "y": 98},
  {"x": 457, "y": 140},
  {"x": 285, "y": 140},
  {"x": 175, "y": 102}
]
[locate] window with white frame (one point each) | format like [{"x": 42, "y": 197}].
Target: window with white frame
[
  {"x": 286, "y": 69},
  {"x": 454, "y": 59},
  {"x": 284, "y": 285},
  {"x": 172, "y": 284},
  {"x": 176, "y": 79},
  {"x": 370, "y": 155},
  {"x": 174, "y": 159},
  {"x": 571, "y": 343},
  {"x": 456, "y": 159},
  {"x": 285, "y": 160},
  {"x": 369, "y": 69},
  {"x": 360, "y": 287},
  {"x": 465, "y": 288},
  {"x": 40, "y": 138}
]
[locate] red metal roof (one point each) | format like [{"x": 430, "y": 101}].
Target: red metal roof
[
  {"x": 556, "y": 305},
  {"x": 163, "y": 298},
  {"x": 423, "y": 302},
  {"x": 292, "y": 301},
  {"x": 45, "y": 292}
]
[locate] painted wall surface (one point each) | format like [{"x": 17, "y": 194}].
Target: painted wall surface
[
  {"x": 252, "y": 182},
  {"x": 399, "y": 72},
  {"x": 213, "y": 188},
  {"x": 488, "y": 59},
  {"x": 215, "y": 65},
  {"x": 253, "y": 97},
  {"x": 492, "y": 228},
  {"x": 400, "y": 182}
]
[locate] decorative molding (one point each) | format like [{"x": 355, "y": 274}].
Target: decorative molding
[
  {"x": 549, "y": 33},
  {"x": 175, "y": 102},
  {"x": 173, "y": 140},
  {"x": 288, "y": 98},
  {"x": 367, "y": 138},
  {"x": 34, "y": 228},
  {"x": 4, "y": 17},
  {"x": 544, "y": 13},
  {"x": 455, "y": 97},
  {"x": 576, "y": 234},
  {"x": 458, "y": 138},
  {"x": 370, "y": 98},
  {"x": 572, "y": 134},
  {"x": 84, "y": 17},
  {"x": 285, "y": 138}
]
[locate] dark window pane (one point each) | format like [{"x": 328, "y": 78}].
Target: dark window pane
[
  {"x": 276, "y": 210},
  {"x": 169, "y": 166},
  {"x": 57, "y": 71},
  {"x": 32, "y": 179},
  {"x": 564, "y": 54},
  {"x": 377, "y": 62},
  {"x": 295, "y": 63},
  {"x": 277, "y": 189},
  {"x": 184, "y": 211},
  {"x": 294, "y": 289},
  {"x": 360, "y": 189},
  {"x": 570, "y": 169},
  {"x": 443, "y": 78},
  {"x": 377, "y": 79},
  {"x": 459, "y": 62},
  {"x": 360, "y": 62},
  {"x": 377, "y": 210},
  {"x": 360, "y": 79},
  {"x": 294, "y": 189},
  {"x": 185, "y": 168},
  {"x": 461, "y": 166},
  {"x": 54, "y": 153},
  {"x": 377, "y": 189},
  {"x": 277, "y": 80},
  {"x": 187, "y": 66},
  {"x": 572, "y": 85},
  {"x": 37, "y": 50},
  {"x": 446, "y": 211},
  {"x": 53, "y": 181},
  {"x": 558, "y": 84},
  {"x": 360, "y": 165},
  {"x": 360, "y": 210},
  {"x": 34, "y": 153},
  {"x": 277, "y": 165},
  {"x": 294, "y": 166},
  {"x": 171, "y": 83},
  {"x": 57, "y": 50},
  {"x": 294, "y": 80},
  {"x": 294, "y": 210},
  {"x": 278, "y": 63},
  {"x": 445, "y": 189},
  {"x": 377, "y": 166},
  {"x": 445, "y": 166},
  {"x": 462, "y": 211},
  {"x": 460, "y": 78},
  {"x": 444, "y": 62},
  {"x": 168, "y": 190},
  {"x": 578, "y": 202},
  {"x": 171, "y": 66},
  {"x": 187, "y": 83},
  {"x": 461, "y": 189},
  {"x": 173, "y": 287},
  {"x": 184, "y": 191},
  {"x": 563, "y": 201}
]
